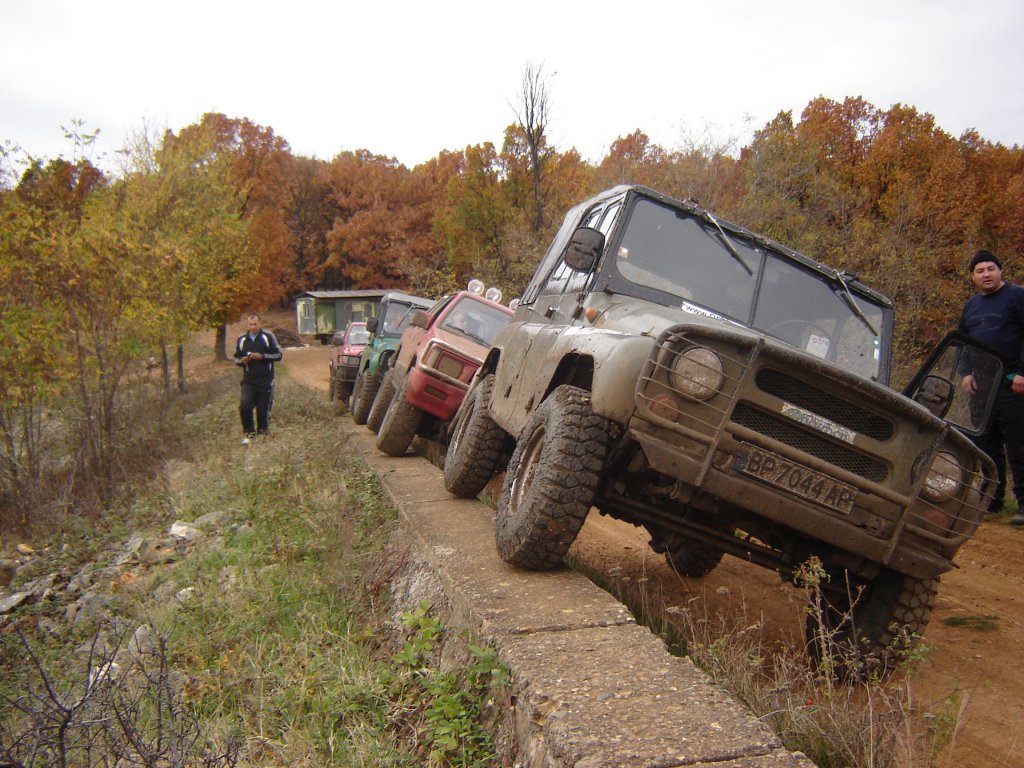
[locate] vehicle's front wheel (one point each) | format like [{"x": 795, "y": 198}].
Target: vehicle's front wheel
[
  {"x": 362, "y": 398},
  {"x": 477, "y": 446},
  {"x": 400, "y": 424},
  {"x": 858, "y": 630},
  {"x": 551, "y": 481},
  {"x": 385, "y": 394}
]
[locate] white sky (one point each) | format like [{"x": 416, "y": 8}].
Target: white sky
[{"x": 409, "y": 79}]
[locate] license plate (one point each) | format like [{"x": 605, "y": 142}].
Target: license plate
[{"x": 795, "y": 478}]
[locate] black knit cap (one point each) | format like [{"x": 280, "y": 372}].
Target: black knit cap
[{"x": 981, "y": 256}]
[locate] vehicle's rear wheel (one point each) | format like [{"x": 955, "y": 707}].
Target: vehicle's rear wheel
[
  {"x": 362, "y": 399},
  {"x": 385, "y": 394},
  {"x": 400, "y": 424},
  {"x": 551, "y": 481},
  {"x": 688, "y": 557},
  {"x": 860, "y": 630},
  {"x": 477, "y": 446}
]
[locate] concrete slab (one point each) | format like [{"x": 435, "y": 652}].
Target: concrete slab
[{"x": 591, "y": 688}]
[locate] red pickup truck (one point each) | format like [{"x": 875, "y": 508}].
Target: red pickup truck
[{"x": 435, "y": 361}]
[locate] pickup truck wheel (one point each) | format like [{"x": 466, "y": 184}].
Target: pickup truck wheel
[
  {"x": 691, "y": 558},
  {"x": 385, "y": 394},
  {"x": 851, "y": 634},
  {"x": 362, "y": 399},
  {"x": 477, "y": 445},
  {"x": 400, "y": 424},
  {"x": 551, "y": 481},
  {"x": 332, "y": 388}
]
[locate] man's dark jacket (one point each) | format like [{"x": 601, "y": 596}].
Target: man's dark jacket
[{"x": 258, "y": 373}]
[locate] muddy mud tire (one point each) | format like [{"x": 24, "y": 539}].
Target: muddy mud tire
[
  {"x": 855, "y": 633},
  {"x": 551, "y": 481},
  {"x": 692, "y": 558},
  {"x": 366, "y": 388},
  {"x": 400, "y": 423},
  {"x": 477, "y": 447},
  {"x": 385, "y": 394}
]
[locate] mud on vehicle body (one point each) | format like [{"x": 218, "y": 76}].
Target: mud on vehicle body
[
  {"x": 438, "y": 354},
  {"x": 731, "y": 396},
  {"x": 385, "y": 331}
]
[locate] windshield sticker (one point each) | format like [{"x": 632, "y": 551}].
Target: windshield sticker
[
  {"x": 815, "y": 421},
  {"x": 693, "y": 309},
  {"x": 818, "y": 346}
]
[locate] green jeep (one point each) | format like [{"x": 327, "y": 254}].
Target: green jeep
[{"x": 385, "y": 332}]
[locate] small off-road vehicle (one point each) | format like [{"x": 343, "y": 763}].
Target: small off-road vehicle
[
  {"x": 347, "y": 346},
  {"x": 435, "y": 361},
  {"x": 731, "y": 396},
  {"x": 385, "y": 330}
]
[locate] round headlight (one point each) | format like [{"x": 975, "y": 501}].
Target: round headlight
[
  {"x": 697, "y": 373},
  {"x": 494, "y": 294},
  {"x": 943, "y": 478},
  {"x": 475, "y": 286}
]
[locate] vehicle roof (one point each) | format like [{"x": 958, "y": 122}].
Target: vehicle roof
[
  {"x": 408, "y": 298},
  {"x": 693, "y": 206}
]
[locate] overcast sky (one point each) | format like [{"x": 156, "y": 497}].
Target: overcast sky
[{"x": 410, "y": 79}]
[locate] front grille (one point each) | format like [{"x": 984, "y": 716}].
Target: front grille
[
  {"x": 825, "y": 404},
  {"x": 791, "y": 433}
]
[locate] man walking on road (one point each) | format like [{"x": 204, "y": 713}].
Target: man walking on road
[
  {"x": 995, "y": 316},
  {"x": 256, "y": 352}
]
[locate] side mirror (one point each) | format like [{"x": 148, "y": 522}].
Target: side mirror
[
  {"x": 420, "y": 319},
  {"x": 337, "y": 340},
  {"x": 584, "y": 249},
  {"x": 371, "y": 325}
]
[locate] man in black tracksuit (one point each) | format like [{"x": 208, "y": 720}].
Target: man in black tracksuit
[
  {"x": 995, "y": 316},
  {"x": 256, "y": 351}
]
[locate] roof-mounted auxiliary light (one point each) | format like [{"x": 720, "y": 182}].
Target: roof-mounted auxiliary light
[{"x": 491, "y": 294}]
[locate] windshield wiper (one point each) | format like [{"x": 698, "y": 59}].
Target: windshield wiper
[
  {"x": 709, "y": 217},
  {"x": 848, "y": 297}
]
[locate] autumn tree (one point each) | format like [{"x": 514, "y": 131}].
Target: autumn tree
[
  {"x": 257, "y": 164},
  {"x": 533, "y": 111},
  {"x": 382, "y": 235}
]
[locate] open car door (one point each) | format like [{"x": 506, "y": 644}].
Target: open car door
[{"x": 937, "y": 384}]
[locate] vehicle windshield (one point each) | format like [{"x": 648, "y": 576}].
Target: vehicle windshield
[
  {"x": 396, "y": 318},
  {"x": 358, "y": 334},
  {"x": 714, "y": 270},
  {"x": 480, "y": 322}
]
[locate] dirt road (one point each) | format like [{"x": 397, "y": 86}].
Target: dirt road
[{"x": 978, "y": 665}]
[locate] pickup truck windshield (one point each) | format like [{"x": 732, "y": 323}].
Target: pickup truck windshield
[{"x": 709, "y": 269}]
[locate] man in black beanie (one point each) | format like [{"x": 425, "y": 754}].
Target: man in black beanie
[{"x": 995, "y": 316}]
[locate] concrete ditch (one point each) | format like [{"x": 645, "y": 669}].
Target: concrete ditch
[{"x": 590, "y": 687}]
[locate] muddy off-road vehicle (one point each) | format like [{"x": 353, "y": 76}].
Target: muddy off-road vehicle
[
  {"x": 385, "y": 331},
  {"x": 731, "y": 396},
  {"x": 436, "y": 358}
]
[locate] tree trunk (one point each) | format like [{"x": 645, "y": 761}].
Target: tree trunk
[
  {"x": 181, "y": 369},
  {"x": 165, "y": 367},
  {"x": 220, "y": 345}
]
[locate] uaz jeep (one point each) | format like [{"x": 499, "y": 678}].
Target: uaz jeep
[{"x": 729, "y": 395}]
